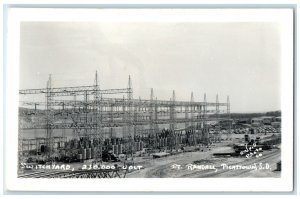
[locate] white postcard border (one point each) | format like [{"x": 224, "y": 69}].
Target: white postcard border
[{"x": 282, "y": 16}]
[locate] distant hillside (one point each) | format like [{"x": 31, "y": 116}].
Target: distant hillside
[
  {"x": 252, "y": 115},
  {"x": 26, "y": 111}
]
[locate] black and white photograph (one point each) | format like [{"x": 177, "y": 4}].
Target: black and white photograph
[{"x": 153, "y": 93}]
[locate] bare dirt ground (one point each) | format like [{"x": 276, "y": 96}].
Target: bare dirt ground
[{"x": 163, "y": 167}]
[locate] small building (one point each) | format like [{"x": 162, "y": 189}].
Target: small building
[
  {"x": 267, "y": 120},
  {"x": 243, "y": 121},
  {"x": 277, "y": 119},
  {"x": 257, "y": 122},
  {"x": 226, "y": 123}
]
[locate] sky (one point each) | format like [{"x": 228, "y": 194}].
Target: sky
[{"x": 241, "y": 60}]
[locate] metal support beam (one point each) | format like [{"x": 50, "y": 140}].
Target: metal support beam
[{"x": 90, "y": 116}]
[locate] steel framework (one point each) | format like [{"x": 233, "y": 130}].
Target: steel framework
[{"x": 84, "y": 110}]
